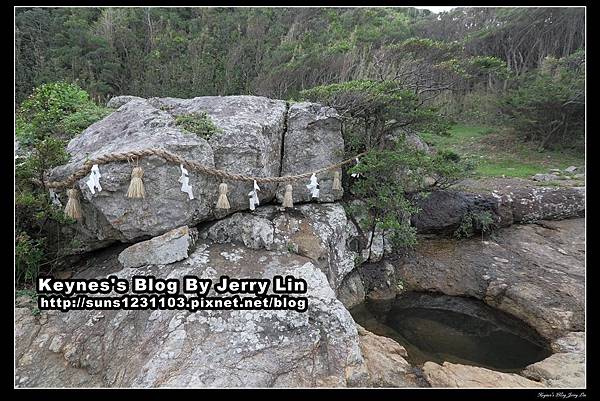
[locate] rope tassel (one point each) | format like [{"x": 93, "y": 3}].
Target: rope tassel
[
  {"x": 73, "y": 208},
  {"x": 136, "y": 187},
  {"x": 223, "y": 202},
  {"x": 337, "y": 182},
  {"x": 287, "y": 197}
]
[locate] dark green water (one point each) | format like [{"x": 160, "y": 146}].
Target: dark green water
[{"x": 441, "y": 328}]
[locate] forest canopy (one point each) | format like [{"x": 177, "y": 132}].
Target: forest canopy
[{"x": 477, "y": 55}]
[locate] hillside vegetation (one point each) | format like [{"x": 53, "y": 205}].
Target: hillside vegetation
[{"x": 497, "y": 91}]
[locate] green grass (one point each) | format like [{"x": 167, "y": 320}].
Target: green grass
[{"x": 499, "y": 153}]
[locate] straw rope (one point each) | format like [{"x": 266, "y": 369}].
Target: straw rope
[{"x": 189, "y": 164}]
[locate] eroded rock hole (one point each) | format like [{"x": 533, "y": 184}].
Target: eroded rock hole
[{"x": 442, "y": 328}]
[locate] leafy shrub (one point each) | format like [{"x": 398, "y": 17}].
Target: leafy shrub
[
  {"x": 548, "y": 106},
  {"x": 78, "y": 121},
  {"x": 53, "y": 101},
  {"x": 376, "y": 115},
  {"x": 197, "y": 123},
  {"x": 42, "y": 112},
  {"x": 388, "y": 182},
  {"x": 446, "y": 168},
  {"x": 52, "y": 114},
  {"x": 384, "y": 195},
  {"x": 36, "y": 218},
  {"x": 44, "y": 155},
  {"x": 472, "y": 222},
  {"x": 29, "y": 254},
  {"x": 372, "y": 109},
  {"x": 58, "y": 109}
]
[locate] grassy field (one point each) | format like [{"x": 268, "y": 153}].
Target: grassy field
[{"x": 498, "y": 153}]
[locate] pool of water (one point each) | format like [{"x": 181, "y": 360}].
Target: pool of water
[{"x": 442, "y": 328}]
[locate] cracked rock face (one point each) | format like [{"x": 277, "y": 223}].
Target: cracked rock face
[
  {"x": 312, "y": 141},
  {"x": 145, "y": 348},
  {"x": 254, "y": 135},
  {"x": 249, "y": 141},
  {"x": 315, "y": 231}
]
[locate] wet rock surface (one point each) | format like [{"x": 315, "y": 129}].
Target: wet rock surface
[
  {"x": 441, "y": 328},
  {"x": 534, "y": 272}
]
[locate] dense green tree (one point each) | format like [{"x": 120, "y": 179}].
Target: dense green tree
[
  {"x": 376, "y": 117},
  {"x": 548, "y": 107}
]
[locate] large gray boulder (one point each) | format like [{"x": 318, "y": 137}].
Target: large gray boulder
[
  {"x": 109, "y": 214},
  {"x": 252, "y": 132},
  {"x": 249, "y": 140},
  {"x": 442, "y": 212},
  {"x": 546, "y": 203},
  {"x": 218, "y": 348}
]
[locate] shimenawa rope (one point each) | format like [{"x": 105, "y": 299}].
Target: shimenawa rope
[{"x": 192, "y": 165}]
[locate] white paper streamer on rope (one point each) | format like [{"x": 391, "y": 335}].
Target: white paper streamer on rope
[
  {"x": 54, "y": 198},
  {"x": 93, "y": 182},
  {"x": 253, "y": 196},
  {"x": 185, "y": 182},
  {"x": 355, "y": 175},
  {"x": 313, "y": 186}
]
